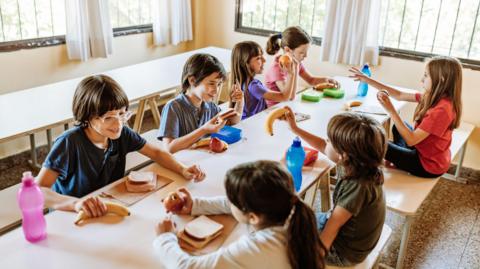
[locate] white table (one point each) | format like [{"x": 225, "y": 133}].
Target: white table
[
  {"x": 113, "y": 243},
  {"x": 29, "y": 111}
]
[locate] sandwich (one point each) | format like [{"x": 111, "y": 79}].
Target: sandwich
[
  {"x": 141, "y": 181},
  {"x": 227, "y": 114},
  {"x": 200, "y": 231}
]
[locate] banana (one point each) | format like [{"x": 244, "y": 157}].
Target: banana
[
  {"x": 323, "y": 85},
  {"x": 352, "y": 103},
  {"x": 274, "y": 114},
  {"x": 204, "y": 142},
  {"x": 112, "y": 208}
]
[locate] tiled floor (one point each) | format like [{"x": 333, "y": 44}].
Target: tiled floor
[{"x": 445, "y": 234}]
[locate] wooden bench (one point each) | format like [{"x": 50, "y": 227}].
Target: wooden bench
[
  {"x": 405, "y": 193},
  {"x": 10, "y": 215},
  {"x": 458, "y": 147},
  {"x": 373, "y": 258}
]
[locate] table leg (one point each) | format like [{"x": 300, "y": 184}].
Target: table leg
[
  {"x": 324, "y": 185},
  {"x": 310, "y": 194},
  {"x": 33, "y": 152},
  {"x": 155, "y": 113},
  {"x": 139, "y": 117},
  {"x": 49, "y": 139}
]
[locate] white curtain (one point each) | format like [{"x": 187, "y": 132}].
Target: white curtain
[
  {"x": 89, "y": 32},
  {"x": 172, "y": 21},
  {"x": 351, "y": 32}
]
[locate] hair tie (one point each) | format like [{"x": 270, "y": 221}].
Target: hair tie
[{"x": 279, "y": 35}]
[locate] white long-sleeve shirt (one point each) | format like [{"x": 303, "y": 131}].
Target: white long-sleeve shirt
[{"x": 265, "y": 248}]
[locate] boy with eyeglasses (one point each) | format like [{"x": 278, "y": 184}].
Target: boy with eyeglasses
[{"x": 93, "y": 153}]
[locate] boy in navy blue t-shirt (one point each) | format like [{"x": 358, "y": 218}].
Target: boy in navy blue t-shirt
[{"x": 92, "y": 154}]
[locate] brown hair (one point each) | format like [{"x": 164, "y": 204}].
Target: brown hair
[
  {"x": 95, "y": 96},
  {"x": 241, "y": 73},
  {"x": 362, "y": 142},
  {"x": 200, "y": 66},
  {"x": 266, "y": 188},
  {"x": 292, "y": 37},
  {"x": 446, "y": 74}
]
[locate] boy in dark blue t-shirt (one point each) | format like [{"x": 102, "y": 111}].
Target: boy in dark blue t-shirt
[{"x": 92, "y": 154}]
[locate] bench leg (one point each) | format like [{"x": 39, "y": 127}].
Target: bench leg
[
  {"x": 460, "y": 161},
  {"x": 456, "y": 176},
  {"x": 33, "y": 152},
  {"x": 404, "y": 243},
  {"x": 324, "y": 185}
]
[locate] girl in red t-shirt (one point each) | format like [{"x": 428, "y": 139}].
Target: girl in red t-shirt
[
  {"x": 424, "y": 150},
  {"x": 294, "y": 42}
]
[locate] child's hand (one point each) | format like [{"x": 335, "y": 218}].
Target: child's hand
[
  {"x": 92, "y": 206},
  {"x": 293, "y": 68},
  {"x": 357, "y": 75},
  {"x": 236, "y": 94},
  {"x": 193, "y": 172},
  {"x": 165, "y": 226},
  {"x": 385, "y": 101},
  {"x": 214, "y": 125},
  {"x": 290, "y": 118},
  {"x": 333, "y": 82},
  {"x": 187, "y": 202}
]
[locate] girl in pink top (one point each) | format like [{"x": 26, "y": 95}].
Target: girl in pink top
[
  {"x": 424, "y": 150},
  {"x": 295, "y": 42}
]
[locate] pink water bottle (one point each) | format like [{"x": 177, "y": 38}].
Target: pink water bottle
[{"x": 30, "y": 200}]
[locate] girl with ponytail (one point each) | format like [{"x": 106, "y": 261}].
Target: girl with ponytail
[
  {"x": 295, "y": 43},
  {"x": 261, "y": 195}
]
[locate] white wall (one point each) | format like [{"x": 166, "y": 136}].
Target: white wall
[
  {"x": 220, "y": 24},
  {"x": 28, "y": 68}
]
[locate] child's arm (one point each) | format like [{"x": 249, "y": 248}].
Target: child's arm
[
  {"x": 397, "y": 94},
  {"x": 290, "y": 84},
  {"x": 237, "y": 98},
  {"x": 175, "y": 144},
  {"x": 312, "y": 80},
  {"x": 93, "y": 206},
  {"x": 313, "y": 140},
  {"x": 339, "y": 217},
  {"x": 167, "y": 160},
  {"x": 411, "y": 137},
  {"x": 288, "y": 89}
]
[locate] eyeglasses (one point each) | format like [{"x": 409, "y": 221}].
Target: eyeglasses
[{"x": 111, "y": 119}]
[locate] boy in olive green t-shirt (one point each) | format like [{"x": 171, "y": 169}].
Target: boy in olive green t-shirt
[{"x": 358, "y": 144}]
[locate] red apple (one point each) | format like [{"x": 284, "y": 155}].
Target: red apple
[
  {"x": 216, "y": 145},
  {"x": 173, "y": 202}
]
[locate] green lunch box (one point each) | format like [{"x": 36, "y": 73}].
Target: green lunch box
[
  {"x": 311, "y": 95},
  {"x": 334, "y": 93}
]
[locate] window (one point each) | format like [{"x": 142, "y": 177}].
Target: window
[
  {"x": 272, "y": 16},
  {"x": 31, "y": 19},
  {"x": 130, "y": 16},
  {"x": 431, "y": 27},
  {"x": 412, "y": 29},
  {"x": 37, "y": 23}
]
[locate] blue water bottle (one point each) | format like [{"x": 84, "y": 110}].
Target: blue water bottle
[
  {"x": 295, "y": 158},
  {"x": 363, "y": 86}
]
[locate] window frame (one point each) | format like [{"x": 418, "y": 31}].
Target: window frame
[
  {"x": 384, "y": 51},
  {"x": 9, "y": 46}
]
